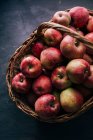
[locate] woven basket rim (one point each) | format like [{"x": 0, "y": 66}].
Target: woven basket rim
[{"x": 37, "y": 33}]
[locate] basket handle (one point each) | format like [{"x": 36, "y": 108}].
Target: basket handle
[{"x": 62, "y": 29}]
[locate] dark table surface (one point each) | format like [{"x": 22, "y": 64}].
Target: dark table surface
[{"x": 18, "y": 19}]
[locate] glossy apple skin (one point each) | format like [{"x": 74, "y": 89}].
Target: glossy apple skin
[
  {"x": 71, "y": 100},
  {"x": 78, "y": 70},
  {"x": 50, "y": 58},
  {"x": 52, "y": 37},
  {"x": 61, "y": 17},
  {"x": 42, "y": 85},
  {"x": 47, "y": 106},
  {"x": 79, "y": 16},
  {"x": 89, "y": 37},
  {"x": 71, "y": 48},
  {"x": 37, "y": 48},
  {"x": 90, "y": 24},
  {"x": 31, "y": 66},
  {"x": 59, "y": 78},
  {"x": 89, "y": 81},
  {"x": 20, "y": 83}
]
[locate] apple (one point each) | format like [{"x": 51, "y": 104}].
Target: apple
[
  {"x": 89, "y": 81},
  {"x": 85, "y": 92},
  {"x": 89, "y": 37},
  {"x": 72, "y": 48},
  {"x": 79, "y": 16},
  {"x": 37, "y": 49},
  {"x": 50, "y": 58},
  {"x": 59, "y": 78},
  {"x": 90, "y": 24},
  {"x": 47, "y": 106},
  {"x": 31, "y": 66},
  {"x": 62, "y": 17},
  {"x": 71, "y": 100},
  {"x": 52, "y": 37},
  {"x": 20, "y": 83},
  {"x": 78, "y": 70},
  {"x": 42, "y": 85},
  {"x": 31, "y": 99},
  {"x": 88, "y": 58}
]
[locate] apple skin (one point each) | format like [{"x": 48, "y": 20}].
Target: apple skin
[
  {"x": 52, "y": 37},
  {"x": 62, "y": 17},
  {"x": 37, "y": 48},
  {"x": 79, "y": 16},
  {"x": 90, "y": 24},
  {"x": 59, "y": 78},
  {"x": 21, "y": 84},
  {"x": 71, "y": 48},
  {"x": 47, "y": 106},
  {"x": 89, "y": 37},
  {"x": 31, "y": 66},
  {"x": 85, "y": 92},
  {"x": 42, "y": 85},
  {"x": 89, "y": 81},
  {"x": 50, "y": 58},
  {"x": 88, "y": 58},
  {"x": 78, "y": 70},
  {"x": 71, "y": 100}
]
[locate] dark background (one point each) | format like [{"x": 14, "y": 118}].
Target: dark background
[{"x": 18, "y": 19}]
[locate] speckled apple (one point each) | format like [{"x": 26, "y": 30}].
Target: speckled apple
[
  {"x": 71, "y": 100},
  {"x": 47, "y": 106}
]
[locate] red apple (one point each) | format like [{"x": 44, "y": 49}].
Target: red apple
[
  {"x": 59, "y": 78},
  {"x": 71, "y": 100},
  {"x": 20, "y": 83},
  {"x": 31, "y": 66},
  {"x": 78, "y": 70},
  {"x": 37, "y": 49},
  {"x": 62, "y": 17},
  {"x": 72, "y": 48},
  {"x": 89, "y": 81},
  {"x": 42, "y": 85},
  {"x": 88, "y": 58},
  {"x": 47, "y": 106},
  {"x": 52, "y": 37},
  {"x": 50, "y": 58},
  {"x": 85, "y": 92},
  {"x": 79, "y": 16},
  {"x": 90, "y": 24},
  {"x": 89, "y": 37}
]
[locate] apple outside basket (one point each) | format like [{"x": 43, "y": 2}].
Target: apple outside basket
[{"x": 25, "y": 49}]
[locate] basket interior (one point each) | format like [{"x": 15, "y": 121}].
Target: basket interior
[{"x": 13, "y": 69}]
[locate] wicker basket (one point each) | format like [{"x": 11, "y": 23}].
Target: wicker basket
[{"x": 24, "y": 49}]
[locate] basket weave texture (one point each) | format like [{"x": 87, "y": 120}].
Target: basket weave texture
[{"x": 25, "y": 49}]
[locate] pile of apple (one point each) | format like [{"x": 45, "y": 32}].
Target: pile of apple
[{"x": 58, "y": 74}]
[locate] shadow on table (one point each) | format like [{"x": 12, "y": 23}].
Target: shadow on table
[{"x": 77, "y": 129}]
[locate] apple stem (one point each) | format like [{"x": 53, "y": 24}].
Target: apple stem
[
  {"x": 76, "y": 43},
  {"x": 21, "y": 79},
  {"x": 51, "y": 104}
]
